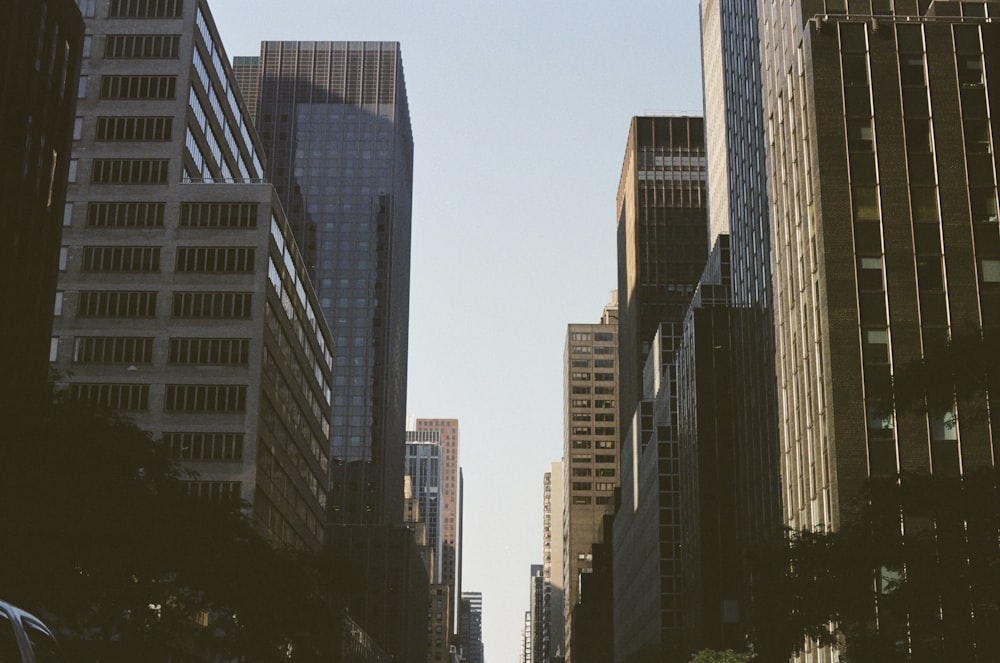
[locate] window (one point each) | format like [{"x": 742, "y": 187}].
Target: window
[
  {"x": 204, "y": 446},
  {"x": 581, "y": 499},
  {"x": 579, "y": 336},
  {"x": 205, "y": 398},
  {"x": 578, "y": 390},
  {"x": 132, "y": 397},
  {"x": 113, "y": 350},
  {"x": 605, "y": 444},
  {"x": 582, "y": 485},
  {"x": 214, "y": 491},
  {"x": 121, "y": 258},
  {"x": 582, "y": 471},
  {"x": 581, "y": 416},
  {"x": 58, "y": 303},
  {"x": 604, "y": 430},
  {"x": 125, "y": 215},
  {"x": 210, "y": 259},
  {"x": 214, "y": 351},
  {"x": 604, "y": 337},
  {"x": 604, "y": 363},
  {"x": 604, "y": 416},
  {"x": 605, "y": 458},
  {"x": 135, "y": 128},
  {"x": 116, "y": 304},
  {"x": 580, "y": 444},
  {"x": 990, "y": 271},
  {"x": 219, "y": 215},
  {"x": 605, "y": 486},
  {"x": 145, "y": 8},
  {"x": 138, "y": 87},
  {"x": 579, "y": 376},
  {"x": 141, "y": 46},
  {"x": 604, "y": 377},
  {"x": 211, "y": 304},
  {"x": 130, "y": 171},
  {"x": 870, "y": 273},
  {"x": 606, "y": 472},
  {"x": 580, "y": 363}
]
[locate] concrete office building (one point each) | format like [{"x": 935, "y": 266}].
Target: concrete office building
[
  {"x": 882, "y": 171},
  {"x": 552, "y": 562},
  {"x": 662, "y": 245},
  {"x": 39, "y": 73},
  {"x": 439, "y": 624},
  {"x": 424, "y": 469},
  {"x": 335, "y": 124},
  {"x": 183, "y": 300},
  {"x": 590, "y": 447}
]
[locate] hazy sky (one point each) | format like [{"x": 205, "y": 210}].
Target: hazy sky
[{"x": 520, "y": 114}]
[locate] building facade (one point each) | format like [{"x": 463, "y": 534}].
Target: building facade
[
  {"x": 39, "y": 74},
  {"x": 882, "y": 172},
  {"x": 471, "y": 627},
  {"x": 424, "y": 465},
  {"x": 590, "y": 448},
  {"x": 662, "y": 237},
  {"x": 334, "y": 121},
  {"x": 183, "y": 300},
  {"x": 447, "y": 432},
  {"x": 552, "y": 561}
]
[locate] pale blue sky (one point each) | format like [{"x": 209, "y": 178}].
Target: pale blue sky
[{"x": 520, "y": 115}]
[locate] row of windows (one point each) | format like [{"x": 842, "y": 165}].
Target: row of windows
[
  {"x": 214, "y": 491},
  {"x": 111, "y": 349},
  {"x": 142, "y": 304},
  {"x": 115, "y": 396},
  {"x": 600, "y": 472},
  {"x": 204, "y": 446},
  {"x": 218, "y": 215},
  {"x": 207, "y": 259},
  {"x": 598, "y": 363},
  {"x": 205, "y": 398},
  {"x": 212, "y": 304},
  {"x": 582, "y": 402},
  {"x": 145, "y": 8},
  {"x": 134, "y": 128},
  {"x": 213, "y": 351},
  {"x": 121, "y": 258},
  {"x": 125, "y": 215},
  {"x": 142, "y": 46},
  {"x": 586, "y": 389},
  {"x": 138, "y": 87},
  {"x": 215, "y": 259},
  {"x": 130, "y": 171},
  {"x": 116, "y": 304}
]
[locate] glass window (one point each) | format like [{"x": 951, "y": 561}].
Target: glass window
[{"x": 990, "y": 271}]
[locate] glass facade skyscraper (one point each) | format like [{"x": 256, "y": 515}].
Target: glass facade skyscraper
[{"x": 334, "y": 120}]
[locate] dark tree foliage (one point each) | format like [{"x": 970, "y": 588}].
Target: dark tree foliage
[
  {"x": 919, "y": 587},
  {"x": 98, "y": 535}
]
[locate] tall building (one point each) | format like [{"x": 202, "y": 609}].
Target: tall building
[
  {"x": 439, "y": 628},
  {"x": 424, "y": 465},
  {"x": 183, "y": 300},
  {"x": 590, "y": 448},
  {"x": 447, "y": 432},
  {"x": 735, "y": 140},
  {"x": 39, "y": 74},
  {"x": 334, "y": 122},
  {"x": 662, "y": 234},
  {"x": 885, "y": 241},
  {"x": 471, "y": 627},
  {"x": 552, "y": 562},
  {"x": 535, "y": 644},
  {"x": 662, "y": 237}
]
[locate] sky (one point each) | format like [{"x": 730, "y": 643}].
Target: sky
[{"x": 520, "y": 113}]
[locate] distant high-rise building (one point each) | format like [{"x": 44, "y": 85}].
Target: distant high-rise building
[
  {"x": 471, "y": 627},
  {"x": 536, "y": 644},
  {"x": 447, "y": 431},
  {"x": 439, "y": 623},
  {"x": 183, "y": 300},
  {"x": 39, "y": 75},
  {"x": 334, "y": 121},
  {"x": 662, "y": 238},
  {"x": 424, "y": 469},
  {"x": 552, "y": 563},
  {"x": 590, "y": 448}
]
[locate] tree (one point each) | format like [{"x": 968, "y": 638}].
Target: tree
[
  {"x": 913, "y": 574},
  {"x": 100, "y": 537}
]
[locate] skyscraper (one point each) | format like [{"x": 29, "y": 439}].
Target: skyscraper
[
  {"x": 334, "y": 122},
  {"x": 886, "y": 247},
  {"x": 552, "y": 562},
  {"x": 447, "y": 432},
  {"x": 424, "y": 469},
  {"x": 183, "y": 300},
  {"x": 471, "y": 627},
  {"x": 39, "y": 74},
  {"x": 662, "y": 234},
  {"x": 590, "y": 448},
  {"x": 662, "y": 237}
]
